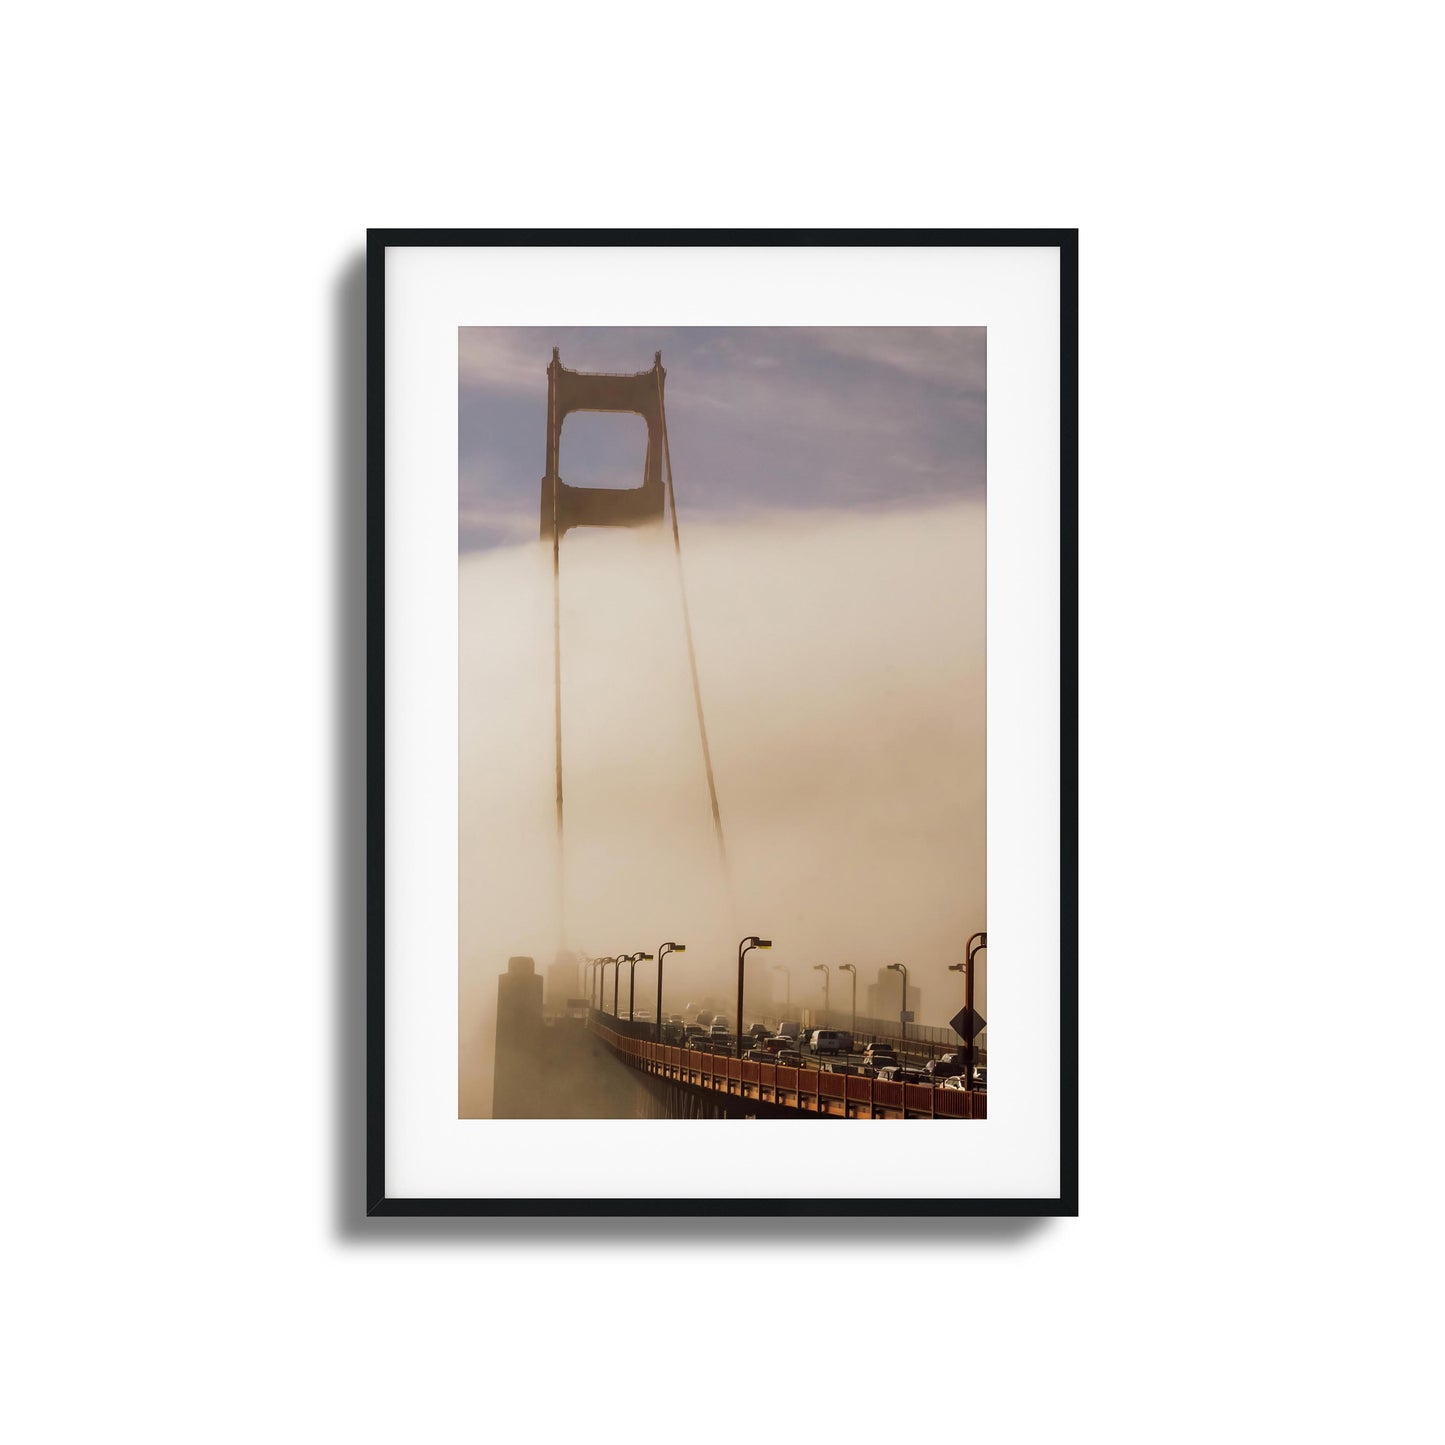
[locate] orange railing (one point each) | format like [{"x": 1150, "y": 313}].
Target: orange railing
[{"x": 810, "y": 1091}]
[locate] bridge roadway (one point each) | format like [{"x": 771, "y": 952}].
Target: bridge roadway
[{"x": 780, "y": 1089}]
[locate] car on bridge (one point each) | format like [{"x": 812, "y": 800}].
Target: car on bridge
[
  {"x": 791, "y": 1059},
  {"x": 902, "y": 1074},
  {"x": 879, "y": 1055},
  {"x": 940, "y": 1069},
  {"x": 831, "y": 1041}
]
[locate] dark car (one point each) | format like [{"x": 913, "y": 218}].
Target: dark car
[
  {"x": 879, "y": 1055},
  {"x": 902, "y": 1074},
  {"x": 790, "y": 1059},
  {"x": 937, "y": 1070},
  {"x": 759, "y": 1031}
]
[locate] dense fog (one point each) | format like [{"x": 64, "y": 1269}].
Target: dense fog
[{"x": 842, "y": 668}]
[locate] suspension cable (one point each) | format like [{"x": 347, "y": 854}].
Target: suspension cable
[
  {"x": 687, "y": 628},
  {"x": 553, "y": 445}
]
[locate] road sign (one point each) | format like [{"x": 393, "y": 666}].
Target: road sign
[
  {"x": 966, "y": 1027},
  {"x": 906, "y": 1017}
]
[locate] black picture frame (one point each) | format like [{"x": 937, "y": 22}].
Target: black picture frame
[{"x": 377, "y": 1203}]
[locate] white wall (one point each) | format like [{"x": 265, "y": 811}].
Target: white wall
[{"x": 186, "y": 192}]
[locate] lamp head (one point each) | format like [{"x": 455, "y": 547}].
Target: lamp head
[
  {"x": 895, "y": 968},
  {"x": 820, "y": 968}
]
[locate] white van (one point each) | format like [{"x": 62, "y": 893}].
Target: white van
[{"x": 831, "y": 1041}]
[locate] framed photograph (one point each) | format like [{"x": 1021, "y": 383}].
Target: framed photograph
[{"x": 721, "y": 722}]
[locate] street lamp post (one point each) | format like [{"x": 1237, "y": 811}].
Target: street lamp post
[
  {"x": 634, "y": 959},
  {"x": 600, "y": 964},
  {"x": 902, "y": 1022},
  {"x": 976, "y": 945},
  {"x": 849, "y": 968},
  {"x": 743, "y": 947},
  {"x": 827, "y": 993},
  {"x": 616, "y": 980},
  {"x": 663, "y": 949}
]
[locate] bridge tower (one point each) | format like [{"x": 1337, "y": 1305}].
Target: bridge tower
[{"x": 564, "y": 506}]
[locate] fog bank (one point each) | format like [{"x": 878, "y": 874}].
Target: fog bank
[{"x": 842, "y": 668}]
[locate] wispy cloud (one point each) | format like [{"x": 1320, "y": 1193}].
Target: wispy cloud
[
  {"x": 515, "y": 522},
  {"x": 494, "y": 358},
  {"x": 950, "y": 356}
]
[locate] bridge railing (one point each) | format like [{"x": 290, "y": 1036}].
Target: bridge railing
[{"x": 809, "y": 1090}]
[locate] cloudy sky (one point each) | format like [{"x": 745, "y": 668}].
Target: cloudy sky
[{"x": 759, "y": 419}]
